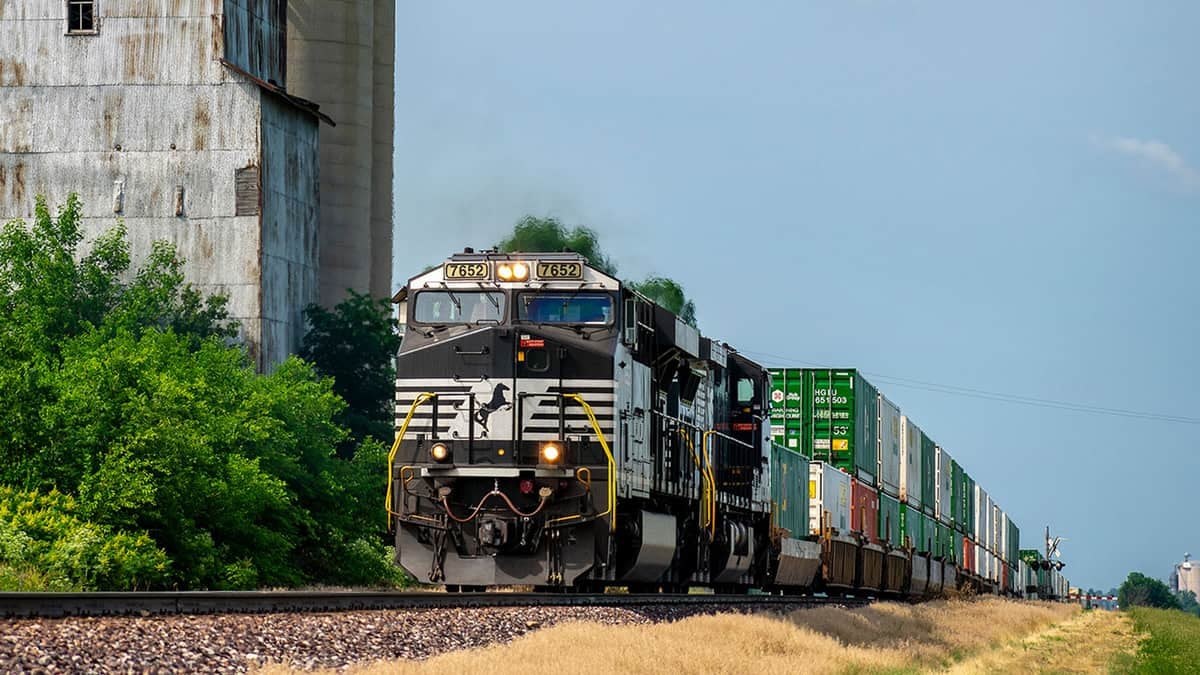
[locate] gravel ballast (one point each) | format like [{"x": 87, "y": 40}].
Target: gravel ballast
[{"x": 234, "y": 643}]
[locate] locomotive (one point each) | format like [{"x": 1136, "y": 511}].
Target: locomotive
[{"x": 556, "y": 428}]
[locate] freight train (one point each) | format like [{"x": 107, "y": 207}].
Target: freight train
[{"x": 555, "y": 428}]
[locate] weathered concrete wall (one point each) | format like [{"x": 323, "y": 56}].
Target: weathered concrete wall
[
  {"x": 341, "y": 57},
  {"x": 290, "y": 177},
  {"x": 144, "y": 122}
]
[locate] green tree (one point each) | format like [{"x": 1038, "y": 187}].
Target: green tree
[
  {"x": 549, "y": 235},
  {"x": 1187, "y": 602},
  {"x": 534, "y": 235},
  {"x": 120, "y": 391},
  {"x": 356, "y": 345},
  {"x": 1140, "y": 590},
  {"x": 669, "y": 294}
]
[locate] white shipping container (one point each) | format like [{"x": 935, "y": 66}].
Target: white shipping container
[
  {"x": 945, "y": 476},
  {"x": 1003, "y": 551},
  {"x": 889, "y": 447},
  {"x": 910, "y": 464},
  {"x": 828, "y": 493}
]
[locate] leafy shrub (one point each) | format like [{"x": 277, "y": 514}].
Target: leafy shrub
[{"x": 45, "y": 545}]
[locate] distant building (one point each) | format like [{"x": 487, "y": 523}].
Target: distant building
[
  {"x": 176, "y": 117},
  {"x": 1186, "y": 576},
  {"x": 341, "y": 54}
]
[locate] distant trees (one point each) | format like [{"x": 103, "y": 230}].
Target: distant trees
[
  {"x": 140, "y": 449},
  {"x": 356, "y": 344},
  {"x": 532, "y": 235},
  {"x": 1187, "y": 602},
  {"x": 1140, "y": 590}
]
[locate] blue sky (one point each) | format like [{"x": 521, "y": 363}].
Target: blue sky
[{"x": 999, "y": 198}]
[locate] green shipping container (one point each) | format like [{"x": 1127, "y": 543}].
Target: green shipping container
[
  {"x": 828, "y": 415},
  {"x": 945, "y": 540},
  {"x": 958, "y": 546},
  {"x": 928, "y": 474},
  {"x": 1014, "y": 542},
  {"x": 956, "y": 486},
  {"x": 923, "y": 535},
  {"x": 789, "y": 490},
  {"x": 968, "y": 503},
  {"x": 889, "y": 520}
]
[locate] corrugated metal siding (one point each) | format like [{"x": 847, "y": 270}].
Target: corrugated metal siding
[
  {"x": 289, "y": 225},
  {"x": 255, "y": 33},
  {"x": 72, "y": 122}
]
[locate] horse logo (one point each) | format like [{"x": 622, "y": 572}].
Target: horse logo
[{"x": 496, "y": 402}]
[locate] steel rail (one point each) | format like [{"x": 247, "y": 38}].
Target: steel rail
[{"x": 148, "y": 603}]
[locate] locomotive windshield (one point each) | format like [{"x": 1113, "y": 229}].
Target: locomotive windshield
[
  {"x": 444, "y": 307},
  {"x": 585, "y": 308}
]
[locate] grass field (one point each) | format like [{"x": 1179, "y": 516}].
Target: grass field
[
  {"x": 1170, "y": 643},
  {"x": 881, "y": 638}
]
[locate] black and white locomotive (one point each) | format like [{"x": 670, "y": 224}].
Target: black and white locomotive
[{"x": 555, "y": 428}]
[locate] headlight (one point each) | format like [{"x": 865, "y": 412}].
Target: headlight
[
  {"x": 551, "y": 453},
  {"x": 505, "y": 272},
  {"x": 439, "y": 452},
  {"x": 520, "y": 271}
]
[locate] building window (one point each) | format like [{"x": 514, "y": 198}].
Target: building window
[{"x": 81, "y": 16}]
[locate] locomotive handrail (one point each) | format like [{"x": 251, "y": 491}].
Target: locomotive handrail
[
  {"x": 391, "y": 462},
  {"x": 612, "y": 462},
  {"x": 712, "y": 523}
]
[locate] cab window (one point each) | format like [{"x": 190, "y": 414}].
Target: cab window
[
  {"x": 571, "y": 308},
  {"x": 448, "y": 307}
]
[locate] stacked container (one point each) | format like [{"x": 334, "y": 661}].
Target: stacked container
[
  {"x": 889, "y": 520},
  {"x": 890, "y": 441},
  {"x": 831, "y": 416},
  {"x": 829, "y": 492},
  {"x": 864, "y": 510},
  {"x": 789, "y": 490},
  {"x": 928, "y": 474},
  {"x": 911, "y": 464},
  {"x": 944, "y": 488}
]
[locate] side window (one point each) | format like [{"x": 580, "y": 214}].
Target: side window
[
  {"x": 81, "y": 17},
  {"x": 745, "y": 390}
]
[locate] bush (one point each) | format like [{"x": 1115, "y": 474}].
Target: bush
[
  {"x": 1142, "y": 591},
  {"x": 45, "y": 545}
]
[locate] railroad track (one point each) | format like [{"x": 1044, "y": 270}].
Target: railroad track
[{"x": 50, "y": 605}]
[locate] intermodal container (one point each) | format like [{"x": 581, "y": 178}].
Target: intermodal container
[
  {"x": 912, "y": 528},
  {"x": 889, "y": 520},
  {"x": 864, "y": 510},
  {"x": 910, "y": 463},
  {"x": 891, "y": 439},
  {"x": 929, "y": 524},
  {"x": 956, "y": 486},
  {"x": 944, "y": 486},
  {"x": 828, "y": 415},
  {"x": 968, "y": 497},
  {"x": 828, "y": 498},
  {"x": 983, "y": 514},
  {"x": 928, "y": 474},
  {"x": 789, "y": 490},
  {"x": 1014, "y": 542}
]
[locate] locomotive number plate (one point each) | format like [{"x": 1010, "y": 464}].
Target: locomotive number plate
[
  {"x": 468, "y": 271},
  {"x": 559, "y": 270}
]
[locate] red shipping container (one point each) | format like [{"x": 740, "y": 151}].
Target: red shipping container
[
  {"x": 864, "y": 510},
  {"x": 968, "y": 561},
  {"x": 1004, "y": 577}
]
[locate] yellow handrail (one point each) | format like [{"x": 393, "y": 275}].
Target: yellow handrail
[
  {"x": 712, "y": 515},
  {"x": 612, "y": 463},
  {"x": 708, "y": 490},
  {"x": 421, "y": 398}
]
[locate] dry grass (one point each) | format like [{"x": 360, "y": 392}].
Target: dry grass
[
  {"x": 1088, "y": 643},
  {"x": 885, "y": 637}
]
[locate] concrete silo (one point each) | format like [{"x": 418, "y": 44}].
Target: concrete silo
[
  {"x": 340, "y": 55},
  {"x": 1187, "y": 575}
]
